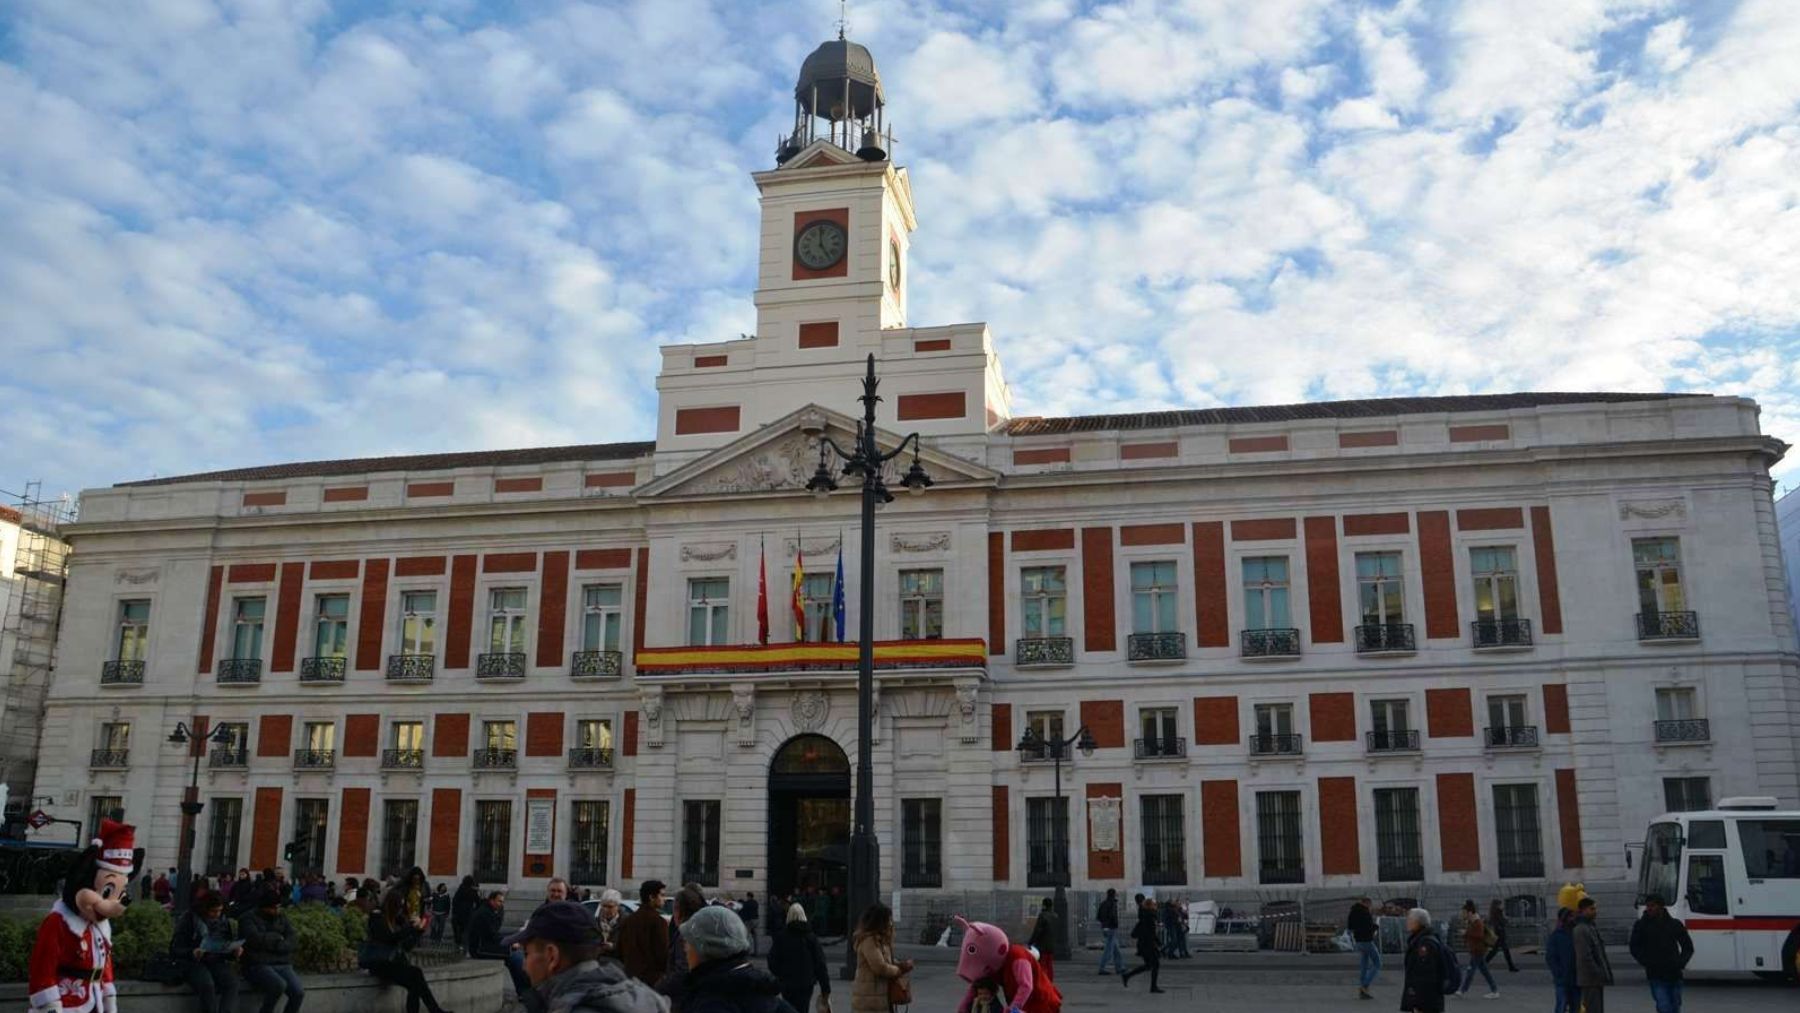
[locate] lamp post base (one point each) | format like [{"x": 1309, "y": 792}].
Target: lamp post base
[{"x": 865, "y": 889}]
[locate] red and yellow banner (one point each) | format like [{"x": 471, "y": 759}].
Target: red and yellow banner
[{"x": 889, "y": 654}]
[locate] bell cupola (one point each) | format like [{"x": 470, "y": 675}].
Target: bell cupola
[{"x": 838, "y": 99}]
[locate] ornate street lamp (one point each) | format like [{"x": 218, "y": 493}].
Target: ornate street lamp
[
  {"x": 865, "y": 461},
  {"x": 190, "y": 812},
  {"x": 1056, "y": 749}
]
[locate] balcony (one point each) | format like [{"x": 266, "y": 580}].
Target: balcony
[
  {"x": 1156, "y": 647},
  {"x": 1668, "y": 626},
  {"x": 1684, "y": 730},
  {"x": 321, "y": 670},
  {"x": 744, "y": 659},
  {"x": 1510, "y": 737},
  {"x": 109, "y": 759},
  {"x": 590, "y": 758},
  {"x": 1158, "y": 749},
  {"x": 500, "y": 666},
  {"x": 411, "y": 667},
  {"x": 228, "y": 758},
  {"x": 122, "y": 673},
  {"x": 496, "y": 759},
  {"x": 1404, "y": 740},
  {"x": 1386, "y": 638},
  {"x": 1044, "y": 752},
  {"x": 240, "y": 671},
  {"x": 1501, "y": 634},
  {"x": 1275, "y": 745},
  {"x": 403, "y": 759},
  {"x": 1269, "y": 643},
  {"x": 1043, "y": 652},
  {"x": 315, "y": 759},
  {"x": 596, "y": 664}
]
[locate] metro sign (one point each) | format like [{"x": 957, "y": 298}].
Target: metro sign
[{"x": 39, "y": 820}]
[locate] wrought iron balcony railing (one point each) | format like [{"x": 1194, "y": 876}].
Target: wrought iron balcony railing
[
  {"x": 322, "y": 669},
  {"x": 496, "y": 759},
  {"x": 122, "y": 673},
  {"x": 315, "y": 759},
  {"x": 1156, "y": 647},
  {"x": 1684, "y": 730},
  {"x": 1510, "y": 737},
  {"x": 1044, "y": 752},
  {"x": 500, "y": 666},
  {"x": 1668, "y": 625},
  {"x": 411, "y": 667},
  {"x": 107, "y": 759},
  {"x": 1501, "y": 632},
  {"x": 1029, "y": 652},
  {"x": 590, "y": 758},
  {"x": 1521, "y": 866},
  {"x": 1385, "y": 638},
  {"x": 1404, "y": 740},
  {"x": 1158, "y": 749},
  {"x": 240, "y": 671},
  {"x": 596, "y": 664},
  {"x": 1269, "y": 643},
  {"x": 228, "y": 758},
  {"x": 1275, "y": 745},
  {"x": 402, "y": 759}
]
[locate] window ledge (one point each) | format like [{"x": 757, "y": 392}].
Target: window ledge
[
  {"x": 1402, "y": 652},
  {"x": 1257, "y": 659},
  {"x": 1152, "y": 662},
  {"x": 1669, "y": 641},
  {"x": 1502, "y": 648},
  {"x": 1033, "y": 665}
]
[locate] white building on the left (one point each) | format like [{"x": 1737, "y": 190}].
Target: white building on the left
[{"x": 33, "y": 563}]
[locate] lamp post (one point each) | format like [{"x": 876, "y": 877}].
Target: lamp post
[
  {"x": 1056, "y": 749},
  {"x": 864, "y": 461},
  {"x": 190, "y": 811}
]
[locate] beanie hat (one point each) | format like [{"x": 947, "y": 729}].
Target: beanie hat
[{"x": 715, "y": 932}]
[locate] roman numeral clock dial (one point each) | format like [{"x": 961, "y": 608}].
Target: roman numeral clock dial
[{"x": 820, "y": 245}]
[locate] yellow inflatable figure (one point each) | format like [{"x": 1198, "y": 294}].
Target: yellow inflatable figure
[{"x": 1570, "y": 895}]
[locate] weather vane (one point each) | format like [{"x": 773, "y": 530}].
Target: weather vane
[{"x": 843, "y": 17}]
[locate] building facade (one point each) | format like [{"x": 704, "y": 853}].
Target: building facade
[
  {"x": 1468, "y": 644},
  {"x": 32, "y": 560}
]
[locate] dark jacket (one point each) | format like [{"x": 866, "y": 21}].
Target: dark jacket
[
  {"x": 598, "y": 988},
  {"x": 463, "y": 904},
  {"x": 1662, "y": 946},
  {"x": 644, "y": 945},
  {"x": 1431, "y": 973},
  {"x": 266, "y": 940},
  {"x": 1043, "y": 933},
  {"x": 191, "y": 930},
  {"x": 1592, "y": 968},
  {"x": 1361, "y": 924},
  {"x": 732, "y": 985},
  {"x": 1145, "y": 934},
  {"x": 748, "y": 912},
  {"x": 440, "y": 905},
  {"x": 1559, "y": 956},
  {"x": 797, "y": 958},
  {"x": 482, "y": 939},
  {"x": 392, "y": 941},
  {"x": 1108, "y": 915}
]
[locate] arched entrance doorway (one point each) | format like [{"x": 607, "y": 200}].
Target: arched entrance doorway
[{"x": 809, "y": 829}]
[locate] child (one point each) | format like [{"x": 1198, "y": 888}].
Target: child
[{"x": 988, "y": 998}]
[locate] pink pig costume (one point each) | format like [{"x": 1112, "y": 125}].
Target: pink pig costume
[{"x": 987, "y": 953}]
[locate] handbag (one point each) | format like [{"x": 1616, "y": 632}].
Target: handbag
[
  {"x": 899, "y": 992},
  {"x": 371, "y": 954}
]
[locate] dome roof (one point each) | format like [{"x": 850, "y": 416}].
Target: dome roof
[{"x": 832, "y": 64}]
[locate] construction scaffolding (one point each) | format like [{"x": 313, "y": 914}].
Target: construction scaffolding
[{"x": 33, "y": 579}]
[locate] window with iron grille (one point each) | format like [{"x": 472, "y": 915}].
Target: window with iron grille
[
  {"x": 409, "y": 735},
  {"x": 247, "y": 628},
  {"x": 1516, "y": 831},
  {"x": 331, "y": 625},
  {"x": 223, "y": 825},
  {"x": 115, "y": 736},
  {"x": 1677, "y": 703},
  {"x": 1157, "y": 728},
  {"x": 1658, "y": 563},
  {"x": 587, "y": 841},
  {"x": 1280, "y": 857},
  {"x": 921, "y": 604},
  {"x": 1165, "y": 847},
  {"x": 399, "y": 835},
  {"x": 921, "y": 842},
  {"x": 311, "y": 817},
  {"x": 1154, "y": 597},
  {"x": 500, "y": 735},
  {"x": 418, "y": 622},
  {"x": 493, "y": 840},
  {"x": 1274, "y": 719},
  {"x": 1496, "y": 573},
  {"x": 709, "y": 611},
  {"x": 1049, "y": 728},
  {"x": 1044, "y": 597},
  {"x": 134, "y": 630},
  {"x": 1687, "y": 794},
  {"x": 1399, "y": 853},
  {"x": 321, "y": 736},
  {"x": 1381, "y": 590},
  {"x": 506, "y": 620},
  {"x": 102, "y": 807},
  {"x": 1044, "y": 865},
  {"x": 1266, "y": 593},
  {"x": 237, "y": 737},
  {"x": 700, "y": 842},
  {"x": 602, "y": 615},
  {"x": 594, "y": 733}
]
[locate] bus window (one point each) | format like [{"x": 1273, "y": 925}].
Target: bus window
[
  {"x": 1707, "y": 835},
  {"x": 1771, "y": 848},
  {"x": 1662, "y": 862},
  {"x": 1706, "y": 885}
]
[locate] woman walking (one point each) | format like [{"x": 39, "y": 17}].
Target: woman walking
[
  {"x": 796, "y": 957},
  {"x": 462, "y": 908},
  {"x": 1148, "y": 952},
  {"x": 875, "y": 966},
  {"x": 392, "y": 933},
  {"x": 1496, "y": 923}
]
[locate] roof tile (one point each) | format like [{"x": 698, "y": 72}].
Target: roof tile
[{"x": 415, "y": 462}]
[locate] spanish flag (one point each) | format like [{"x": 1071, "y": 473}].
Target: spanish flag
[
  {"x": 799, "y": 602},
  {"x": 762, "y": 596}
]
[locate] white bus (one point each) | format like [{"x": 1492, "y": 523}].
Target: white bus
[{"x": 1732, "y": 874}]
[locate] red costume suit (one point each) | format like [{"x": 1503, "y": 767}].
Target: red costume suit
[
  {"x": 71, "y": 968},
  {"x": 987, "y": 953}
]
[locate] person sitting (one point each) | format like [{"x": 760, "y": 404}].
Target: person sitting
[
  {"x": 269, "y": 953},
  {"x": 206, "y": 948},
  {"x": 392, "y": 935},
  {"x": 485, "y": 943}
]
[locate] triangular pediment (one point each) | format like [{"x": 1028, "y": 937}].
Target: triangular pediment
[
  {"x": 819, "y": 153},
  {"x": 781, "y": 456}
]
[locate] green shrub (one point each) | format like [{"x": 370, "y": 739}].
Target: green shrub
[
  {"x": 16, "y": 938},
  {"x": 356, "y": 927},
  {"x": 319, "y": 943},
  {"x": 141, "y": 932}
]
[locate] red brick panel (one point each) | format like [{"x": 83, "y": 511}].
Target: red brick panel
[
  {"x": 1042, "y": 455},
  {"x": 362, "y": 734},
  {"x": 1215, "y": 721},
  {"x": 932, "y": 345},
  {"x": 1002, "y": 836},
  {"x": 287, "y": 616},
  {"x": 1337, "y": 826},
  {"x": 1543, "y": 543},
  {"x": 509, "y": 562},
  {"x": 265, "y": 828},
  {"x": 1373, "y": 438},
  {"x": 446, "y": 831},
  {"x": 544, "y": 733},
  {"x": 1476, "y": 434},
  {"x": 537, "y": 864},
  {"x": 353, "y": 831},
  {"x": 603, "y": 559},
  {"x": 837, "y": 216},
  {"x": 1258, "y": 444},
  {"x": 628, "y": 746},
  {"x": 250, "y": 573},
  {"x": 1438, "y": 574},
  {"x": 1043, "y": 540},
  {"x": 1105, "y": 721},
  {"x": 1568, "y": 817},
  {"x": 1324, "y": 598},
  {"x": 425, "y": 490},
  {"x": 921, "y": 407},
  {"x": 1149, "y": 451},
  {"x": 450, "y": 736},
  {"x": 277, "y": 497},
  {"x": 1357, "y": 525},
  {"x": 373, "y": 620},
  {"x": 709, "y": 361},
  {"x": 1151, "y": 534},
  {"x": 1449, "y": 714},
  {"x": 1556, "y": 708},
  {"x": 1212, "y": 608},
  {"x": 823, "y": 334},
  {"x": 1262, "y": 529},
  {"x": 534, "y": 484},
  {"x": 1002, "y": 735},
  {"x": 1223, "y": 851},
  {"x": 1100, "y": 626},
  {"x": 553, "y": 607},
  {"x": 695, "y": 421},
  {"x": 1461, "y": 839},
  {"x": 347, "y": 494},
  {"x": 996, "y": 602},
  {"x": 1490, "y": 519},
  {"x": 274, "y": 735},
  {"x": 1107, "y": 864},
  {"x": 610, "y": 479},
  {"x": 459, "y": 626},
  {"x": 420, "y": 566},
  {"x": 335, "y": 569},
  {"x": 638, "y": 598},
  {"x": 627, "y": 832},
  {"x": 1333, "y": 717}
]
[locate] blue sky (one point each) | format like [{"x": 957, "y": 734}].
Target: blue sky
[{"x": 259, "y": 230}]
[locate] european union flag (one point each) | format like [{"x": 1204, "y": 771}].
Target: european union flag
[{"x": 837, "y": 593}]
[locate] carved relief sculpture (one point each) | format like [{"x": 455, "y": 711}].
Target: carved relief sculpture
[{"x": 743, "y": 701}]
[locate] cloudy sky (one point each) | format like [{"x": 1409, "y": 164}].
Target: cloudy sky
[{"x": 242, "y": 231}]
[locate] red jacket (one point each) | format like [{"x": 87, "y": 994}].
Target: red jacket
[
  {"x": 71, "y": 965},
  {"x": 1022, "y": 975}
]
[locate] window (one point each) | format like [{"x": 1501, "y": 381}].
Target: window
[
  {"x": 1153, "y": 598},
  {"x": 602, "y": 616},
  {"x": 1496, "y": 573},
  {"x": 115, "y": 736},
  {"x": 321, "y": 736},
  {"x": 1043, "y": 865},
  {"x": 1279, "y": 857},
  {"x": 399, "y": 835},
  {"x": 1677, "y": 703},
  {"x": 1771, "y": 848},
  {"x": 506, "y": 620},
  {"x": 1506, "y": 712},
  {"x": 1045, "y": 598},
  {"x": 587, "y": 841},
  {"x": 1380, "y": 589},
  {"x": 1157, "y": 726},
  {"x": 223, "y": 824},
  {"x": 102, "y": 807},
  {"x": 1274, "y": 719},
  {"x": 921, "y": 842},
  {"x": 331, "y": 625},
  {"x": 237, "y": 738},
  {"x": 1516, "y": 831},
  {"x": 247, "y": 628},
  {"x": 921, "y": 604},
  {"x": 816, "y": 602},
  {"x": 418, "y": 623},
  {"x": 1399, "y": 855},
  {"x": 493, "y": 840},
  {"x": 1687, "y": 794},
  {"x": 409, "y": 735},
  {"x": 700, "y": 842},
  {"x": 1049, "y": 728},
  {"x": 311, "y": 817},
  {"x": 1658, "y": 562},
  {"x": 709, "y": 610},
  {"x": 593, "y": 733},
  {"x": 1165, "y": 850},
  {"x": 1266, "y": 593},
  {"x": 1706, "y": 885},
  {"x": 499, "y": 735},
  {"x": 1390, "y": 725},
  {"x": 134, "y": 630}
]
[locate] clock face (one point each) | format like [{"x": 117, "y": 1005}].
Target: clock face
[
  {"x": 820, "y": 245},
  {"x": 894, "y": 264}
]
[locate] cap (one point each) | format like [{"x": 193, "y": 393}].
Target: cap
[{"x": 560, "y": 921}]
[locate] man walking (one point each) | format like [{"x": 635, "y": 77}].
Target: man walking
[
  {"x": 1431, "y": 972},
  {"x": 1559, "y": 956},
  {"x": 1108, "y": 917},
  {"x": 1593, "y": 971},
  {"x": 747, "y": 913},
  {"x": 1659, "y": 942},
  {"x": 561, "y": 947},
  {"x": 644, "y": 937},
  {"x": 1043, "y": 939},
  {"x": 1361, "y": 924}
]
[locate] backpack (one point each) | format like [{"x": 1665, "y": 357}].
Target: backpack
[{"x": 1452, "y": 971}]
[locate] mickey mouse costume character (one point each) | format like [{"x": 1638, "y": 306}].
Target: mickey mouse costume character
[
  {"x": 987, "y": 953},
  {"x": 71, "y": 961}
]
